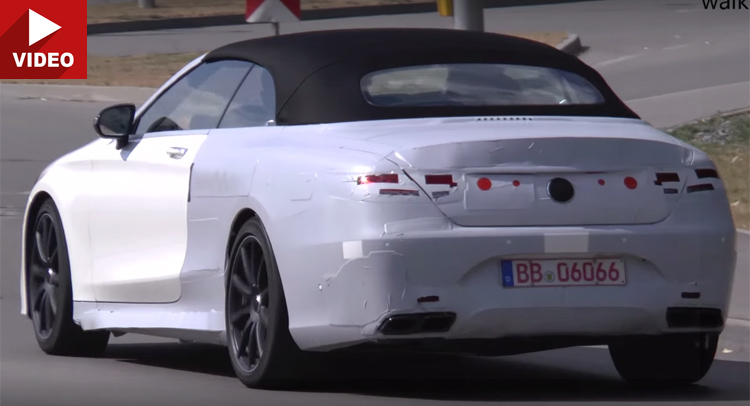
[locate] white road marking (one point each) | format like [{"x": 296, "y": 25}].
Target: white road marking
[
  {"x": 675, "y": 47},
  {"x": 616, "y": 60},
  {"x": 737, "y": 322}
]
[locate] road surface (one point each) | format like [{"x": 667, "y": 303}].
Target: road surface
[
  {"x": 633, "y": 43},
  {"x": 141, "y": 370},
  {"x": 643, "y": 48}
]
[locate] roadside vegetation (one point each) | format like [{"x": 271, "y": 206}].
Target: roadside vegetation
[
  {"x": 129, "y": 11},
  {"x": 137, "y": 70},
  {"x": 151, "y": 70},
  {"x": 726, "y": 138}
]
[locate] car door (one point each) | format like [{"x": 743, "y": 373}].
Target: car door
[{"x": 139, "y": 194}]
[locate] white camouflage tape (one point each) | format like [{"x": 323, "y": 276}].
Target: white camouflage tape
[
  {"x": 352, "y": 249},
  {"x": 566, "y": 243}
]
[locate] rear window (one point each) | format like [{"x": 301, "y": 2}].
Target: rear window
[{"x": 477, "y": 85}]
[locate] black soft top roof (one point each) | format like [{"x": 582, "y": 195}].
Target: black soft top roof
[{"x": 317, "y": 74}]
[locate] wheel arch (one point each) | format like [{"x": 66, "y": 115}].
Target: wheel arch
[
  {"x": 240, "y": 218},
  {"x": 32, "y": 209}
]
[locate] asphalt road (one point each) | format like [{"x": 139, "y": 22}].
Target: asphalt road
[
  {"x": 140, "y": 370},
  {"x": 643, "y": 48},
  {"x": 673, "y": 79}
]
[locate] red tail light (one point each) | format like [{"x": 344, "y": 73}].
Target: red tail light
[
  {"x": 706, "y": 173},
  {"x": 440, "y": 180},
  {"x": 484, "y": 184},
  {"x": 387, "y": 178},
  {"x": 631, "y": 183}
]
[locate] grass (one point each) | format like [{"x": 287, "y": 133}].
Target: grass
[
  {"x": 129, "y": 11},
  {"x": 149, "y": 70},
  {"x": 726, "y": 139}
]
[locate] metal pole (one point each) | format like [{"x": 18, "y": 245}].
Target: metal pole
[
  {"x": 147, "y": 3},
  {"x": 468, "y": 15}
]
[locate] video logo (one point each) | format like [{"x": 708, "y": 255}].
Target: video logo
[{"x": 43, "y": 39}]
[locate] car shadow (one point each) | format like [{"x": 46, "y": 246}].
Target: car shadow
[{"x": 576, "y": 374}]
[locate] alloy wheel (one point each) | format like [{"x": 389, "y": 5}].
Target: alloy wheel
[{"x": 248, "y": 304}]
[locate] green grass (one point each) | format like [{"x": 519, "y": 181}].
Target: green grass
[
  {"x": 129, "y": 11},
  {"x": 150, "y": 70},
  {"x": 726, "y": 139}
]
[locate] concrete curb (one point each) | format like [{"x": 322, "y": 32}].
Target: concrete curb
[
  {"x": 106, "y": 94},
  {"x": 571, "y": 44},
  {"x": 318, "y": 14}
]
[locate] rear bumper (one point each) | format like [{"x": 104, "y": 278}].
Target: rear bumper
[{"x": 667, "y": 265}]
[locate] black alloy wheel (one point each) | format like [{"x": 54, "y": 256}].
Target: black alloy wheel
[
  {"x": 248, "y": 304},
  {"x": 50, "y": 293},
  {"x": 44, "y": 281},
  {"x": 261, "y": 349}
]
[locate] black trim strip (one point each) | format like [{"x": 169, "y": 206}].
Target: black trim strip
[
  {"x": 700, "y": 188},
  {"x": 190, "y": 181},
  {"x": 662, "y": 177}
]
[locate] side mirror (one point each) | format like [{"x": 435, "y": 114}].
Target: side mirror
[{"x": 115, "y": 122}]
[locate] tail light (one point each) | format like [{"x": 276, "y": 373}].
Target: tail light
[
  {"x": 440, "y": 180},
  {"x": 390, "y": 178},
  {"x": 631, "y": 182},
  {"x": 707, "y": 173},
  {"x": 368, "y": 179},
  {"x": 704, "y": 173}
]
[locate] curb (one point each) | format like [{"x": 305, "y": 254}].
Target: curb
[
  {"x": 317, "y": 14},
  {"x": 725, "y": 114},
  {"x": 735, "y": 322},
  {"x": 571, "y": 45},
  {"x": 74, "y": 93}
]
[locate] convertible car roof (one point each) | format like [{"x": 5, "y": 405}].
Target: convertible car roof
[{"x": 317, "y": 74}]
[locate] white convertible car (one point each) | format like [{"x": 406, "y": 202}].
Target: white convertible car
[{"x": 397, "y": 189}]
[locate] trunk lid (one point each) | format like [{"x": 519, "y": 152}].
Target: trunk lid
[{"x": 545, "y": 172}]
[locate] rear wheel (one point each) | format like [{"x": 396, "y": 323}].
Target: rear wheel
[
  {"x": 262, "y": 352},
  {"x": 669, "y": 360},
  {"x": 50, "y": 292}
]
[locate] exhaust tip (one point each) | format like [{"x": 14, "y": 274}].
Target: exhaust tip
[
  {"x": 694, "y": 317},
  {"x": 402, "y": 324}
]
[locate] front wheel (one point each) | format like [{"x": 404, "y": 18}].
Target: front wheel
[
  {"x": 50, "y": 292},
  {"x": 665, "y": 361},
  {"x": 262, "y": 352}
]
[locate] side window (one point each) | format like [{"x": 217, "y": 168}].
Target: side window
[
  {"x": 255, "y": 102},
  {"x": 197, "y": 100}
]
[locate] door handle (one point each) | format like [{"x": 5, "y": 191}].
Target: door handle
[{"x": 176, "y": 152}]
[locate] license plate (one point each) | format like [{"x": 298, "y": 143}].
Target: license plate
[{"x": 563, "y": 272}]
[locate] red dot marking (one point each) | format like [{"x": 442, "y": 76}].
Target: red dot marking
[
  {"x": 601, "y": 182},
  {"x": 631, "y": 183},
  {"x": 516, "y": 183},
  {"x": 484, "y": 184}
]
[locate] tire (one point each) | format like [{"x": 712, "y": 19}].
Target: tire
[
  {"x": 50, "y": 293},
  {"x": 673, "y": 360},
  {"x": 255, "y": 304}
]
